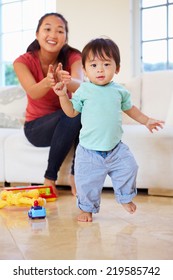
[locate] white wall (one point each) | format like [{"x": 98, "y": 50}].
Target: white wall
[{"x": 93, "y": 18}]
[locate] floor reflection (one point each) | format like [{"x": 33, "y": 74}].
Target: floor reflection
[{"x": 114, "y": 234}]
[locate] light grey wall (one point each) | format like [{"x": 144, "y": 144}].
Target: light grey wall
[{"x": 94, "y": 18}]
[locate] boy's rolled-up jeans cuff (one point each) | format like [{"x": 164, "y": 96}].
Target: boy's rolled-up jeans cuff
[
  {"x": 88, "y": 208},
  {"x": 126, "y": 198}
]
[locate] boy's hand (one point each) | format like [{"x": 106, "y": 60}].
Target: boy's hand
[
  {"x": 60, "y": 89},
  {"x": 154, "y": 124}
]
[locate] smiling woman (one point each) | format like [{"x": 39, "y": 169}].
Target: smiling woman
[
  {"x": 49, "y": 59},
  {"x": 51, "y": 37}
]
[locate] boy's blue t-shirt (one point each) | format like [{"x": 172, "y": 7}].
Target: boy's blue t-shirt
[{"x": 101, "y": 114}]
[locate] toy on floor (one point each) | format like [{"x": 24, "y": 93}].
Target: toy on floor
[
  {"x": 3, "y": 203},
  {"x": 25, "y": 196},
  {"x": 9, "y": 198},
  {"x": 36, "y": 211},
  {"x": 30, "y": 191}
]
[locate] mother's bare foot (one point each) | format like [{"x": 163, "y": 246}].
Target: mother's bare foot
[
  {"x": 85, "y": 217},
  {"x": 51, "y": 183},
  {"x": 72, "y": 184},
  {"x": 129, "y": 207}
]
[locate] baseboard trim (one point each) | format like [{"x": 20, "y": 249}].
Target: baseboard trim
[{"x": 160, "y": 192}]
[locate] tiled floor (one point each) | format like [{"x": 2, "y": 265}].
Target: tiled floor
[{"x": 114, "y": 234}]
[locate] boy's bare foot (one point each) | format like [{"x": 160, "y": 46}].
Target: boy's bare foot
[
  {"x": 129, "y": 207},
  {"x": 51, "y": 183},
  {"x": 85, "y": 217},
  {"x": 72, "y": 184}
]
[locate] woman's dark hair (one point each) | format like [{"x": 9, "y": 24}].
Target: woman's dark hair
[
  {"x": 66, "y": 49},
  {"x": 100, "y": 47}
]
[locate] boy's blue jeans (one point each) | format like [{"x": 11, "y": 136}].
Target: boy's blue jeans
[
  {"x": 91, "y": 169},
  {"x": 57, "y": 131}
]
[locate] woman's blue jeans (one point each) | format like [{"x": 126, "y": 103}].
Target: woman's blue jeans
[{"x": 58, "y": 132}]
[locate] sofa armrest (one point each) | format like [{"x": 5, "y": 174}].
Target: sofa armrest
[{"x": 12, "y": 106}]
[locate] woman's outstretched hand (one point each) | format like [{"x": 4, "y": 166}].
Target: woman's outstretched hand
[
  {"x": 51, "y": 76},
  {"x": 62, "y": 75}
]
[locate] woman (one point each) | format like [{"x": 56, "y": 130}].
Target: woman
[{"x": 50, "y": 59}]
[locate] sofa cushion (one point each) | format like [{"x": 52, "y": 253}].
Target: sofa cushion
[
  {"x": 23, "y": 161},
  {"x": 4, "y": 133},
  {"x": 169, "y": 117},
  {"x": 157, "y": 93},
  {"x": 153, "y": 153},
  {"x": 27, "y": 164},
  {"x": 12, "y": 107}
]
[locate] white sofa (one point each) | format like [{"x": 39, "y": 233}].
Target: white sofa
[
  {"x": 20, "y": 162},
  {"x": 151, "y": 92}
]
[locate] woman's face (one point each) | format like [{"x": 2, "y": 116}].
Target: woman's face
[{"x": 52, "y": 34}]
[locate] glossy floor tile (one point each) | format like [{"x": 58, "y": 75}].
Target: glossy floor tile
[{"x": 114, "y": 234}]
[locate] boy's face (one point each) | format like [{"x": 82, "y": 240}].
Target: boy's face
[{"x": 100, "y": 71}]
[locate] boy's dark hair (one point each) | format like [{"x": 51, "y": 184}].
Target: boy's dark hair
[
  {"x": 100, "y": 47},
  {"x": 65, "y": 51}
]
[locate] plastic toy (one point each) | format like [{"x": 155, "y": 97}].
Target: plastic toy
[
  {"x": 36, "y": 211},
  {"x": 35, "y": 192},
  {"x": 24, "y": 196},
  {"x": 9, "y": 198},
  {"x": 3, "y": 203}
]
